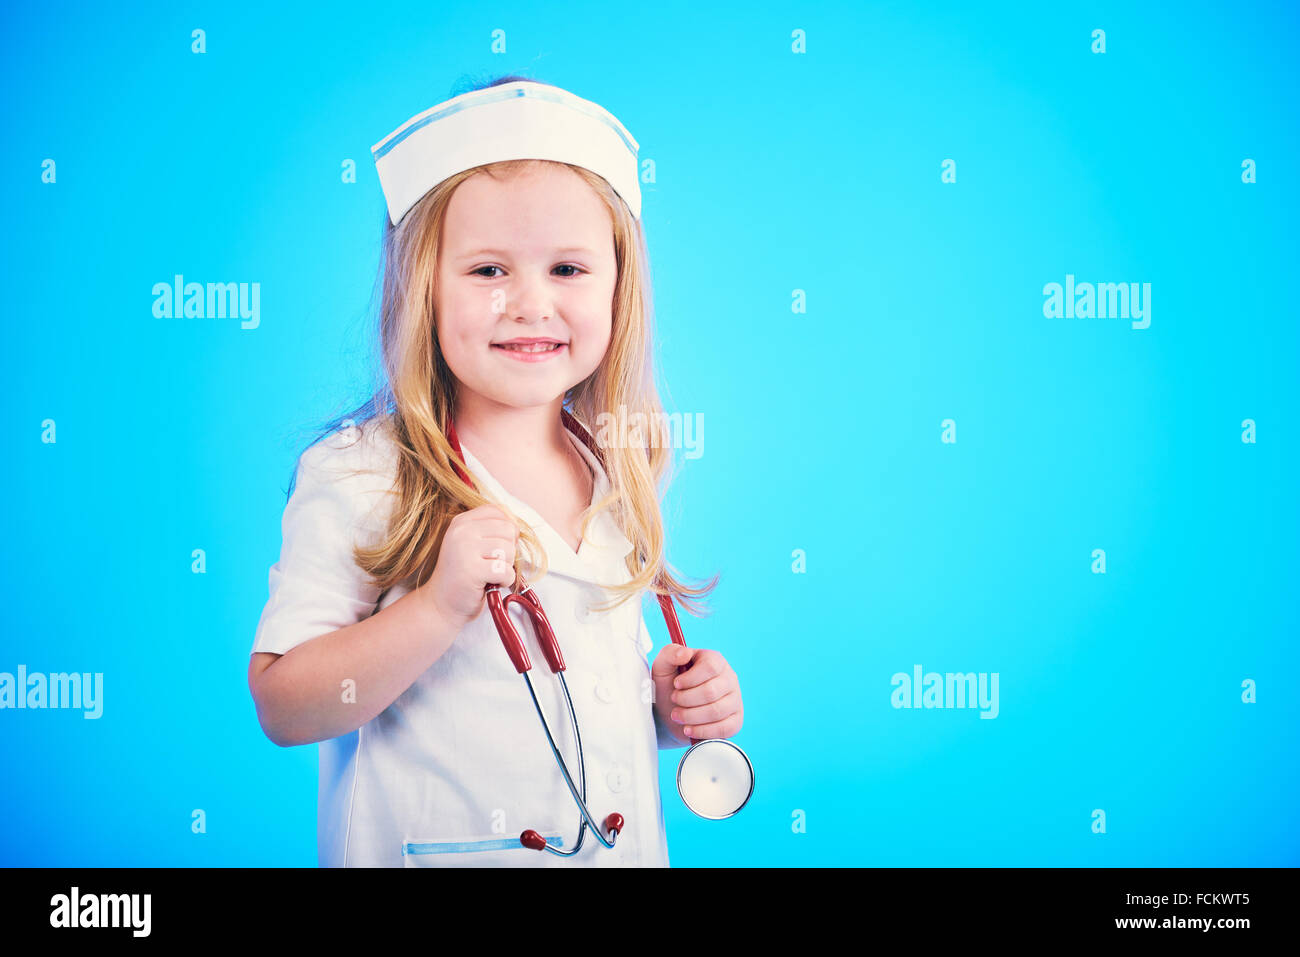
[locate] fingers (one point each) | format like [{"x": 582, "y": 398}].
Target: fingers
[
  {"x": 719, "y": 719},
  {"x": 488, "y": 514},
  {"x": 709, "y": 691},
  {"x": 705, "y": 696},
  {"x": 495, "y": 532},
  {"x": 486, "y": 511},
  {"x": 495, "y": 537},
  {"x": 490, "y": 547},
  {"x": 724, "y": 707},
  {"x": 487, "y": 519},
  {"x": 707, "y": 664},
  {"x": 669, "y": 659},
  {"x": 490, "y": 527},
  {"x": 496, "y": 528},
  {"x": 500, "y": 566}
]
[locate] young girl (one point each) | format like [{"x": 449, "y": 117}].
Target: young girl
[{"x": 515, "y": 324}]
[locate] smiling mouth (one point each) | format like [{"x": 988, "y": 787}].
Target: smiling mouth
[{"x": 530, "y": 346}]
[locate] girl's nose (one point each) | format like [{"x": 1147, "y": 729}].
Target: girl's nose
[{"x": 529, "y": 301}]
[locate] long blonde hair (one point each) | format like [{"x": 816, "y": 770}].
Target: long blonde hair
[{"x": 418, "y": 395}]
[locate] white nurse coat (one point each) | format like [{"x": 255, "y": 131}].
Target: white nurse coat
[{"x": 454, "y": 769}]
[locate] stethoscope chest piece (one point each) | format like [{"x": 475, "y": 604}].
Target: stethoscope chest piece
[{"x": 715, "y": 778}]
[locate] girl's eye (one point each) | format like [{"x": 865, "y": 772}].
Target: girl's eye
[{"x": 576, "y": 271}]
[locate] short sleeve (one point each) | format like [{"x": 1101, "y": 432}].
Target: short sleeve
[{"x": 316, "y": 587}]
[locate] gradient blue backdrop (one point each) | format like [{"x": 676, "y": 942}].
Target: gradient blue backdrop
[{"x": 775, "y": 172}]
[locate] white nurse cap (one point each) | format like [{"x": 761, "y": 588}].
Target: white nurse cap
[{"x": 519, "y": 120}]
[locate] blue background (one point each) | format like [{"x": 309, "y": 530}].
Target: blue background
[{"x": 774, "y": 171}]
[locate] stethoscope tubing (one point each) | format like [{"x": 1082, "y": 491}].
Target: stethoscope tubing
[
  {"x": 527, "y": 599},
  {"x": 579, "y": 799}
]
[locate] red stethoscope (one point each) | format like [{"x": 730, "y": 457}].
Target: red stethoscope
[{"x": 714, "y": 778}]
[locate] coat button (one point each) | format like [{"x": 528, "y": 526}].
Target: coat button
[
  {"x": 617, "y": 779},
  {"x": 603, "y": 690}
]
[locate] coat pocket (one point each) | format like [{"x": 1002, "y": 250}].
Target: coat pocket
[{"x": 484, "y": 850}]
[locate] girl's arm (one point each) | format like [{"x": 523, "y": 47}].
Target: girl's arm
[{"x": 332, "y": 685}]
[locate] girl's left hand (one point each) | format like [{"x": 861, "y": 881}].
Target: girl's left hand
[{"x": 704, "y": 700}]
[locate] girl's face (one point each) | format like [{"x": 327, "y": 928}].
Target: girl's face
[{"x": 528, "y": 257}]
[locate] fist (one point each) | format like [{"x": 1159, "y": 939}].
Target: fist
[
  {"x": 704, "y": 700},
  {"x": 478, "y": 549}
]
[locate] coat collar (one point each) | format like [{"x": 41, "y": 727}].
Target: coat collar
[{"x": 601, "y": 557}]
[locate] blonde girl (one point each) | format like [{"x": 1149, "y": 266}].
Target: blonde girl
[{"x": 515, "y": 315}]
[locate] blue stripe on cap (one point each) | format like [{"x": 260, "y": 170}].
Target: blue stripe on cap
[{"x": 496, "y": 96}]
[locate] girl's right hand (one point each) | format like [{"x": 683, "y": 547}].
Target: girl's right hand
[{"x": 478, "y": 549}]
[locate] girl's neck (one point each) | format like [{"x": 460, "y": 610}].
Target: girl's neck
[{"x": 530, "y": 434}]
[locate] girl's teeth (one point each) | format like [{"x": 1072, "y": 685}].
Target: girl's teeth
[{"x": 533, "y": 347}]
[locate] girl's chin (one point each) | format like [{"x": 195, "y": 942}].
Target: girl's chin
[{"x": 521, "y": 396}]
